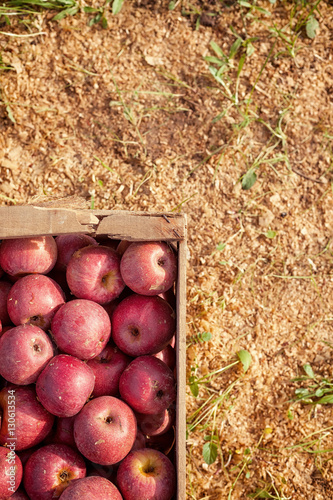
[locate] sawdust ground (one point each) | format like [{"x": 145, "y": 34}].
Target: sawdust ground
[{"x": 125, "y": 118}]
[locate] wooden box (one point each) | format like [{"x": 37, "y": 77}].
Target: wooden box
[{"x": 30, "y": 220}]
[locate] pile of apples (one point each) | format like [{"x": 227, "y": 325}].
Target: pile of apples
[{"x": 87, "y": 369}]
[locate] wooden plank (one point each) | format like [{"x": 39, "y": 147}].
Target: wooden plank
[
  {"x": 25, "y": 221},
  {"x": 181, "y": 371},
  {"x": 142, "y": 226}
]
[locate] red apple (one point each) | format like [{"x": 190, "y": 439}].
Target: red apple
[
  {"x": 142, "y": 325},
  {"x": 64, "y": 385},
  {"x": 93, "y": 273},
  {"x": 28, "y": 255},
  {"x": 50, "y": 470},
  {"x": 5, "y": 286},
  {"x": 81, "y": 328},
  {"x": 68, "y": 244},
  {"x": 10, "y": 472},
  {"x": 24, "y": 421},
  {"x": 92, "y": 488},
  {"x": 147, "y": 385},
  {"x": 107, "y": 368},
  {"x": 157, "y": 424},
  {"x": 149, "y": 268},
  {"x": 146, "y": 475},
  {"x": 168, "y": 356},
  {"x": 25, "y": 350},
  {"x": 105, "y": 430},
  {"x": 34, "y": 299}
]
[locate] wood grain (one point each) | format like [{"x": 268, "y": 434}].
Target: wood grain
[
  {"x": 181, "y": 371},
  {"x": 24, "y": 221}
]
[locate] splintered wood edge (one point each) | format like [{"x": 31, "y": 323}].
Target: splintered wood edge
[
  {"x": 23, "y": 221},
  {"x": 181, "y": 371}
]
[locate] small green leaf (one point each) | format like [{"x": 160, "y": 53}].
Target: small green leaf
[
  {"x": 209, "y": 452},
  {"x": 243, "y": 3},
  {"x": 302, "y": 391},
  {"x": 194, "y": 388},
  {"x": 10, "y": 114},
  {"x": 308, "y": 370},
  {"x": 290, "y": 415},
  {"x": 245, "y": 359},
  {"x": 104, "y": 23},
  {"x": 311, "y": 27},
  {"x": 235, "y": 47},
  {"x": 71, "y": 11},
  {"x": 206, "y": 336},
  {"x": 214, "y": 60},
  {"x": 328, "y": 399},
  {"x": 92, "y": 203},
  {"x": 218, "y": 51},
  {"x": 249, "y": 49},
  {"x": 270, "y": 234},
  {"x": 319, "y": 393},
  {"x": 249, "y": 179},
  {"x": 211, "y": 437},
  {"x": 116, "y": 6},
  {"x": 90, "y": 10},
  {"x": 221, "y": 246},
  {"x": 172, "y": 5}
]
